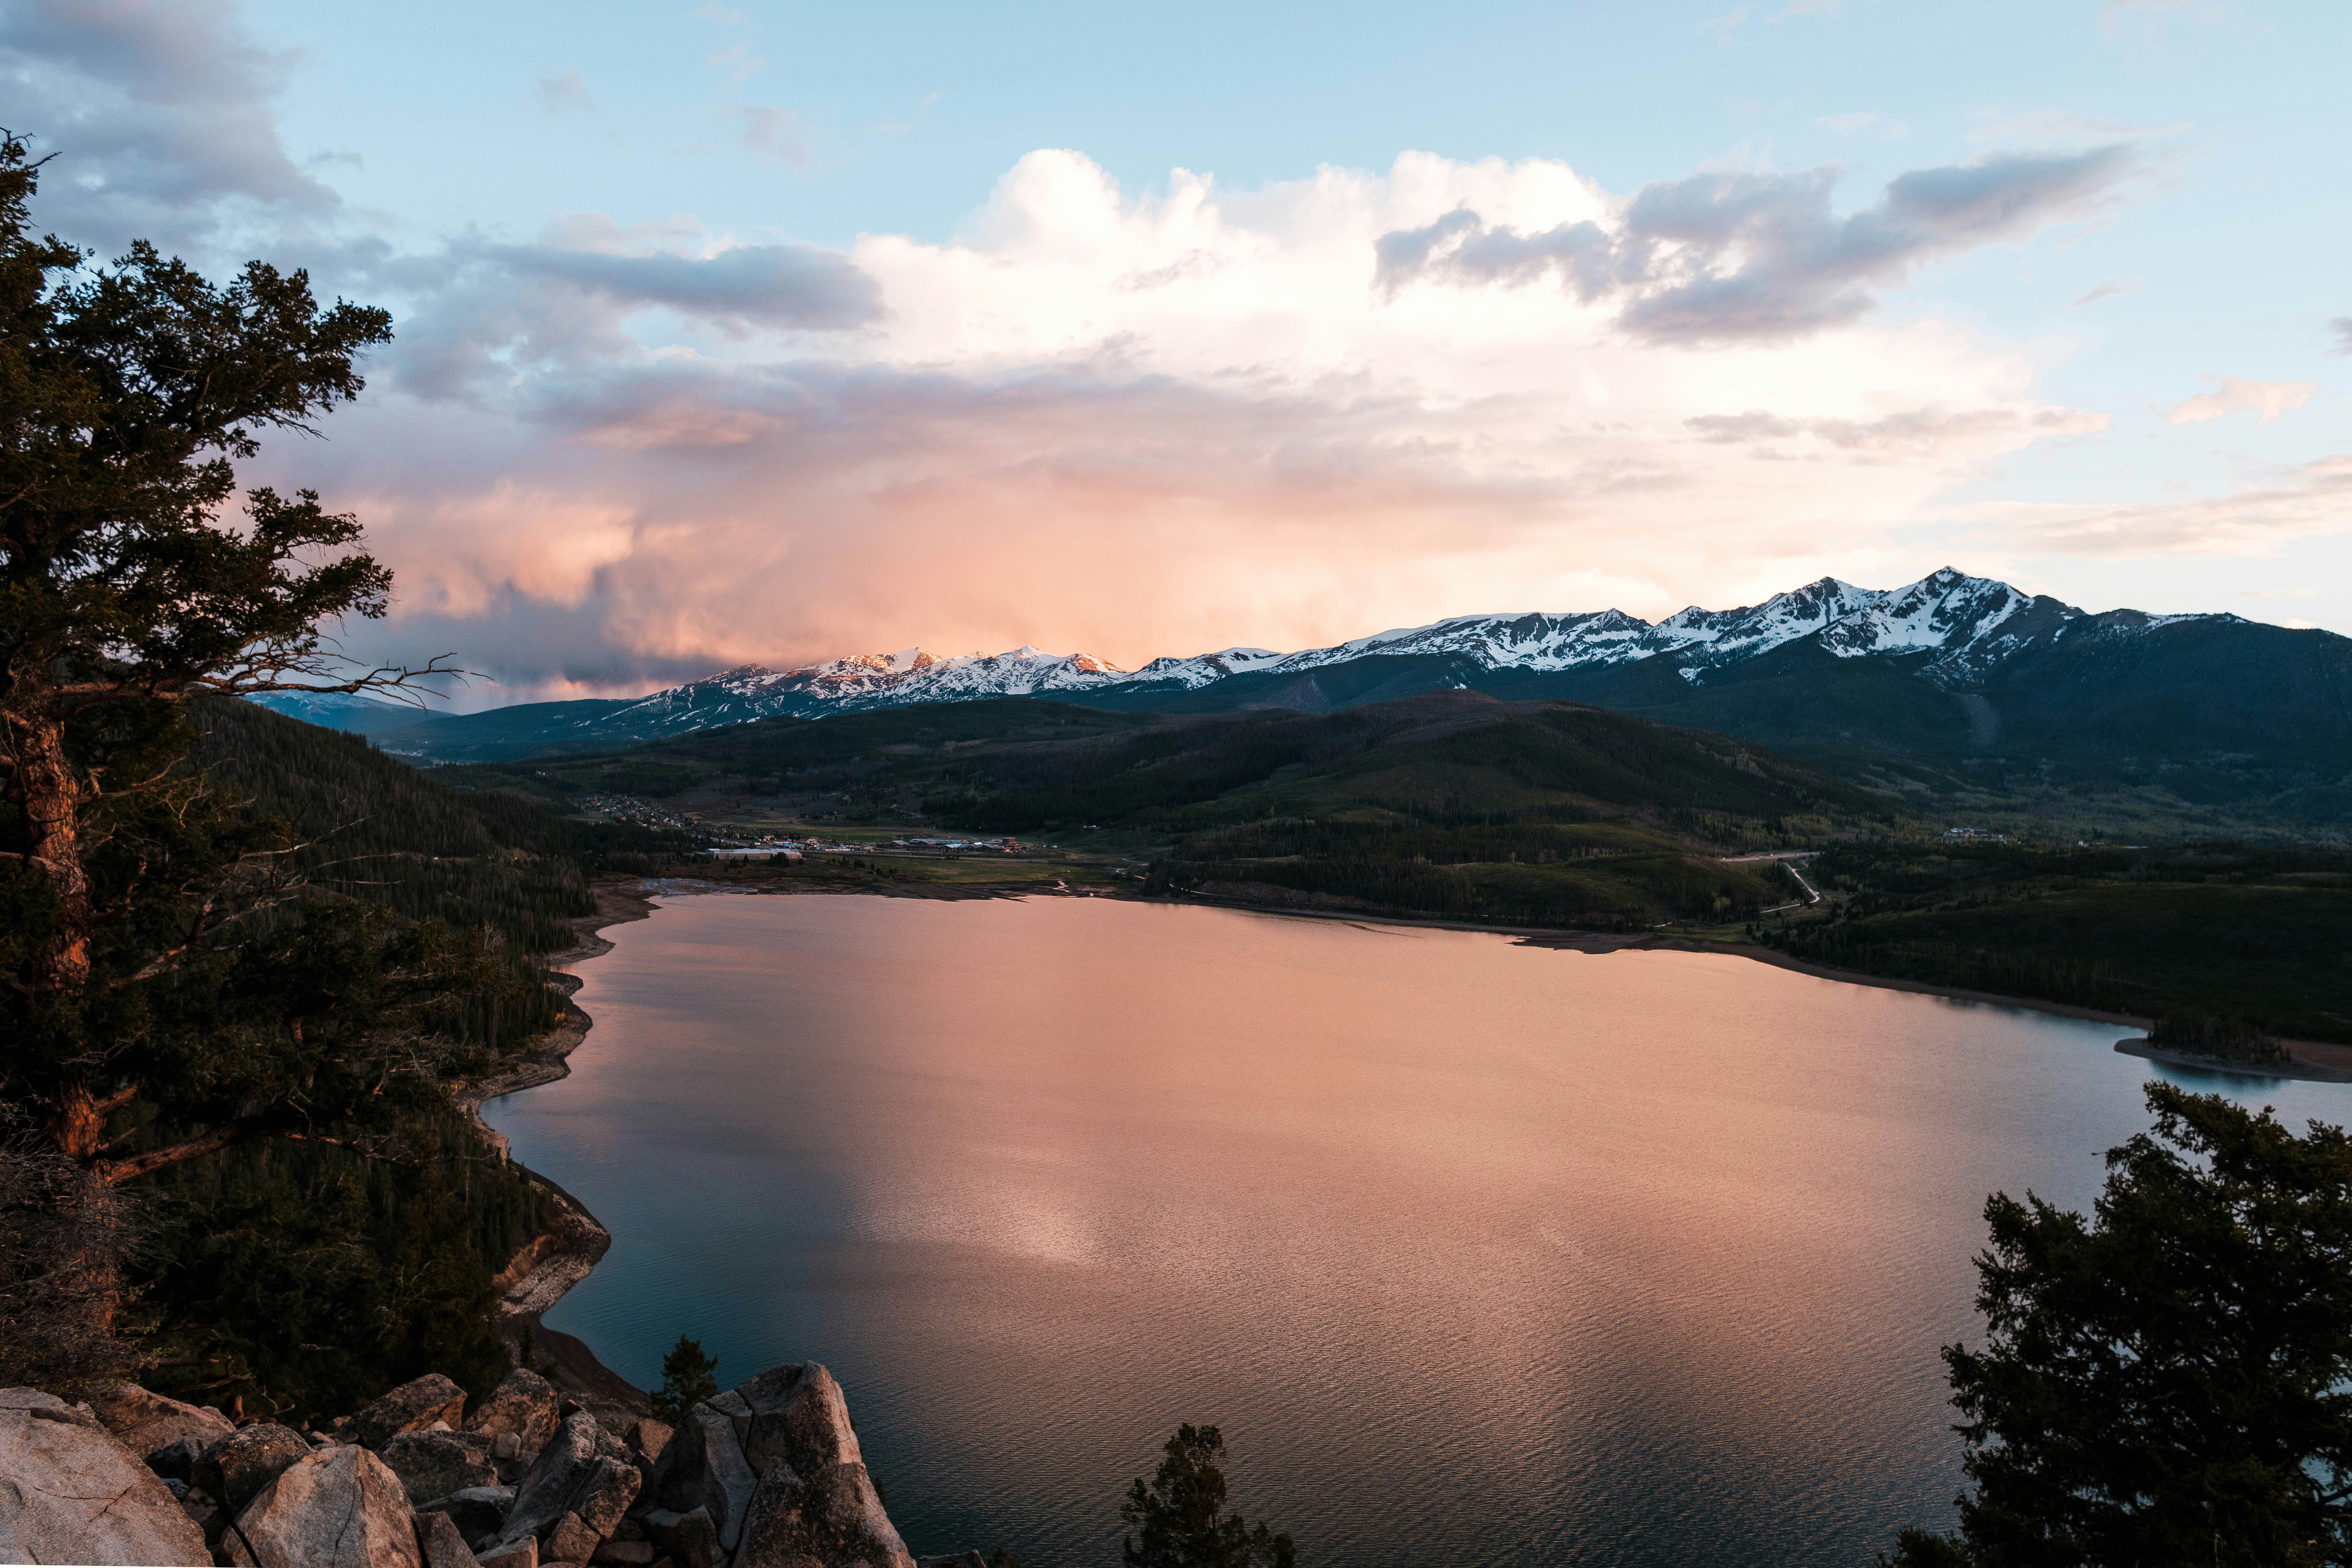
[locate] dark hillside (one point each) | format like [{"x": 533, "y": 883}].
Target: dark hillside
[
  {"x": 378, "y": 830},
  {"x": 2253, "y": 932},
  {"x": 302, "y": 1274},
  {"x": 1450, "y": 803}
]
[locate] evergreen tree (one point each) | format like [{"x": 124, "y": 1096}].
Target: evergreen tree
[
  {"x": 689, "y": 1377},
  {"x": 1179, "y": 1518},
  {"x": 163, "y": 998},
  {"x": 126, "y": 396},
  {"x": 2171, "y": 1381}
]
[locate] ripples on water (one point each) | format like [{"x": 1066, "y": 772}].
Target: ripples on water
[{"x": 1480, "y": 1254}]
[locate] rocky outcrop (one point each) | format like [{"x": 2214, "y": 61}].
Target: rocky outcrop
[
  {"x": 435, "y": 1464},
  {"x": 648, "y": 1437},
  {"x": 199, "y": 1505},
  {"x": 523, "y": 1553},
  {"x": 704, "y": 1469},
  {"x": 71, "y": 1492},
  {"x": 441, "y": 1544},
  {"x": 478, "y": 1511},
  {"x": 774, "y": 1465},
  {"x": 411, "y": 1407},
  {"x": 576, "y": 1475},
  {"x": 690, "y": 1539},
  {"x": 235, "y": 1468},
  {"x": 830, "y": 1517},
  {"x": 570, "y": 1541},
  {"x": 341, "y": 1508},
  {"x": 522, "y": 1406},
  {"x": 766, "y": 1475},
  {"x": 146, "y": 1422}
]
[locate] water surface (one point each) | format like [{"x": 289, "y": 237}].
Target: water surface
[{"x": 1480, "y": 1254}]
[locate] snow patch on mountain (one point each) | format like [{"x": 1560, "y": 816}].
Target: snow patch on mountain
[{"x": 1959, "y": 627}]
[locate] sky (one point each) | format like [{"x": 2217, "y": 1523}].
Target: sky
[{"x": 771, "y": 333}]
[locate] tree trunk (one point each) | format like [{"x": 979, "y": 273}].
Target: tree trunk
[{"x": 50, "y": 796}]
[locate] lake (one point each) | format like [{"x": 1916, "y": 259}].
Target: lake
[{"x": 1479, "y": 1253}]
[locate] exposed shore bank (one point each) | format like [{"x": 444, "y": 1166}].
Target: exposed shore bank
[{"x": 559, "y": 1258}]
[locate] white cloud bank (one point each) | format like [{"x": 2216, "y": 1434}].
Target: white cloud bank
[
  {"x": 1133, "y": 423},
  {"x": 1149, "y": 423}
]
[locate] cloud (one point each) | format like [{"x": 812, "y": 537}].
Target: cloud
[
  {"x": 1917, "y": 432},
  {"x": 561, "y": 91},
  {"x": 1742, "y": 256},
  {"x": 1124, "y": 422},
  {"x": 160, "y": 118},
  {"x": 739, "y": 62},
  {"x": 484, "y": 317},
  {"x": 776, "y": 135},
  {"x": 2265, "y": 399},
  {"x": 2342, "y": 327},
  {"x": 1725, "y": 29},
  {"x": 2308, "y": 500},
  {"x": 2113, "y": 289}
]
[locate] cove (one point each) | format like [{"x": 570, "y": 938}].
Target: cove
[{"x": 1479, "y": 1253}]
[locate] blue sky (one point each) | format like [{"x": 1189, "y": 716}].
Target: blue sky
[{"x": 776, "y": 333}]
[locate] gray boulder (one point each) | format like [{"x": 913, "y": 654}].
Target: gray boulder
[
  {"x": 411, "y": 1407},
  {"x": 70, "y": 1493},
  {"x": 648, "y": 1437},
  {"x": 690, "y": 1539},
  {"x": 339, "y": 1508},
  {"x": 574, "y": 1475},
  {"x": 523, "y": 1553},
  {"x": 797, "y": 1413},
  {"x": 31, "y": 1399},
  {"x": 439, "y": 1542},
  {"x": 572, "y": 1540},
  {"x": 477, "y": 1511},
  {"x": 522, "y": 1406},
  {"x": 830, "y": 1518},
  {"x": 971, "y": 1559},
  {"x": 704, "y": 1469},
  {"x": 176, "y": 1460},
  {"x": 236, "y": 1467},
  {"x": 435, "y": 1464},
  {"x": 198, "y": 1505},
  {"x": 144, "y": 1422},
  {"x": 814, "y": 1503}
]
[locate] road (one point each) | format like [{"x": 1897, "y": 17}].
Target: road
[{"x": 1788, "y": 858}]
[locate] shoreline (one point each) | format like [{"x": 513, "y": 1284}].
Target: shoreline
[
  {"x": 2319, "y": 1059},
  {"x": 549, "y": 1265}
]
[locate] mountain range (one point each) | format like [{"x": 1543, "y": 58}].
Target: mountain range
[{"x": 1950, "y": 683}]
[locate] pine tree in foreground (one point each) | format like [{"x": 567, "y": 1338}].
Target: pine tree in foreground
[
  {"x": 2170, "y": 1380},
  {"x": 1179, "y": 1518},
  {"x": 689, "y": 1377}
]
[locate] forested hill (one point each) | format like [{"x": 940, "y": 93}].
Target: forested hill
[
  {"x": 1021, "y": 765},
  {"x": 374, "y": 828},
  {"x": 304, "y": 1272},
  {"x": 1450, "y": 803}
]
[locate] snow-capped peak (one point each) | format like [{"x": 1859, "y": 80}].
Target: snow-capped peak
[{"x": 1961, "y": 627}]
